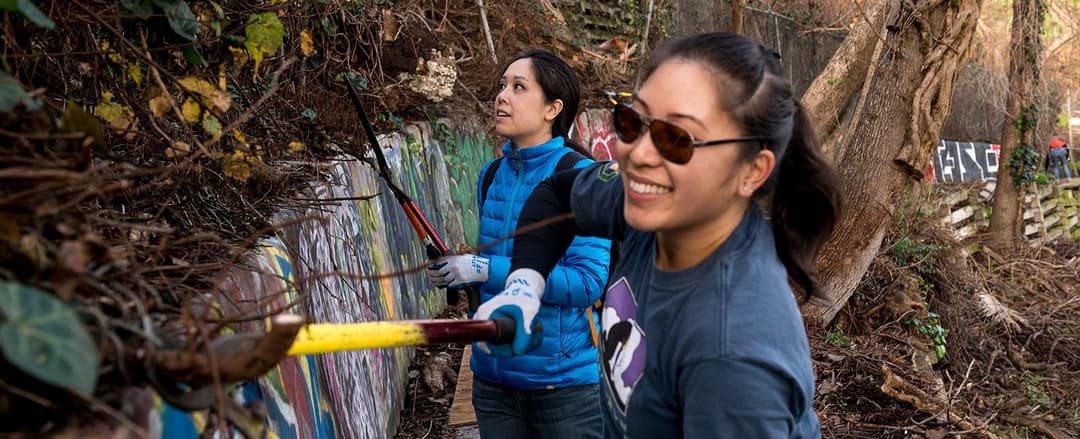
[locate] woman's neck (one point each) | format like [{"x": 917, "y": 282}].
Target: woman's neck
[
  {"x": 532, "y": 140},
  {"x": 685, "y": 248}
]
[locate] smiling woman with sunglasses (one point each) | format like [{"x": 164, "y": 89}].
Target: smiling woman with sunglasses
[{"x": 701, "y": 332}]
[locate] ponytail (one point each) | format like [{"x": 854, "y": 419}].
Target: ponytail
[{"x": 805, "y": 203}]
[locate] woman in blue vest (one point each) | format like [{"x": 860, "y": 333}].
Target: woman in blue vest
[{"x": 552, "y": 391}]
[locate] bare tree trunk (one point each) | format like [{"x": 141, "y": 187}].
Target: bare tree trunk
[
  {"x": 894, "y": 129},
  {"x": 1026, "y": 47},
  {"x": 832, "y": 90},
  {"x": 738, "y": 8}
]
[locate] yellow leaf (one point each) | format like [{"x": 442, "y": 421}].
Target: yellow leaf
[
  {"x": 221, "y": 76},
  {"x": 198, "y": 85},
  {"x": 124, "y": 122},
  {"x": 211, "y": 95},
  {"x": 159, "y": 105},
  {"x": 212, "y": 126},
  {"x": 240, "y": 137},
  {"x": 108, "y": 110},
  {"x": 190, "y": 110},
  {"x": 221, "y": 100},
  {"x": 307, "y": 45},
  {"x": 239, "y": 56},
  {"x": 111, "y": 54},
  {"x": 178, "y": 149},
  {"x": 136, "y": 73},
  {"x": 239, "y": 165},
  {"x": 295, "y": 146}
]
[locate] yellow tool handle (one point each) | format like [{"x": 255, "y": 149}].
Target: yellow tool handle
[{"x": 320, "y": 338}]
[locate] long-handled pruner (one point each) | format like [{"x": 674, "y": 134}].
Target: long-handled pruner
[
  {"x": 433, "y": 245},
  {"x": 184, "y": 377}
]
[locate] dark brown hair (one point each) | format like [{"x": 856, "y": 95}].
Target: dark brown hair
[
  {"x": 558, "y": 81},
  {"x": 805, "y": 199}
]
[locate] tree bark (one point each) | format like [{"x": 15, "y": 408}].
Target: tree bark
[
  {"x": 895, "y": 127},
  {"x": 738, "y": 9},
  {"x": 833, "y": 89},
  {"x": 1006, "y": 225}
]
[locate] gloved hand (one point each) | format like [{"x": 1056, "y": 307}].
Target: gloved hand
[
  {"x": 520, "y": 302},
  {"x": 459, "y": 270}
]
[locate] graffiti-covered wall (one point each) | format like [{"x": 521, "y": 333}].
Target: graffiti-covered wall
[
  {"x": 327, "y": 263},
  {"x": 964, "y": 161},
  {"x": 592, "y": 129}
]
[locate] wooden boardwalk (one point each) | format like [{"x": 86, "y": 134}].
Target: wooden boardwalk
[{"x": 461, "y": 411}]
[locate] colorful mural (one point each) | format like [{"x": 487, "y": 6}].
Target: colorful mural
[
  {"x": 295, "y": 400},
  {"x": 317, "y": 264},
  {"x": 359, "y": 394},
  {"x": 293, "y": 395},
  {"x": 592, "y": 129},
  {"x": 465, "y": 151}
]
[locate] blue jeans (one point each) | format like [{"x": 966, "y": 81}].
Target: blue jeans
[
  {"x": 1059, "y": 158},
  {"x": 569, "y": 412}
]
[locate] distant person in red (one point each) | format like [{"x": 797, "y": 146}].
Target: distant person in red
[{"x": 1059, "y": 157}]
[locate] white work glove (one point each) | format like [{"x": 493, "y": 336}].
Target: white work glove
[
  {"x": 459, "y": 271},
  {"x": 520, "y": 302}
]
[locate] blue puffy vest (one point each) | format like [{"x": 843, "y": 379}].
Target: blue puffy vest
[{"x": 567, "y": 356}]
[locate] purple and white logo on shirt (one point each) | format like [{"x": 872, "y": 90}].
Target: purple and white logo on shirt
[{"x": 623, "y": 343}]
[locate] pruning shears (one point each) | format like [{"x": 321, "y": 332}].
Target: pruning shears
[
  {"x": 184, "y": 377},
  {"x": 433, "y": 245}
]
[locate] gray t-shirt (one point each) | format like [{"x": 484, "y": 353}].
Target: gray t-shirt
[{"x": 715, "y": 350}]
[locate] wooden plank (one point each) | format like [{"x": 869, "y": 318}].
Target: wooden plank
[
  {"x": 461, "y": 411},
  {"x": 961, "y": 215},
  {"x": 1050, "y": 220},
  {"x": 1054, "y": 233},
  {"x": 1044, "y": 191},
  {"x": 1070, "y": 184},
  {"x": 954, "y": 198},
  {"x": 964, "y": 232}
]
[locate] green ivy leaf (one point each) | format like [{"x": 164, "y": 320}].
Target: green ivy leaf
[
  {"x": 233, "y": 40},
  {"x": 218, "y": 10},
  {"x": 140, "y": 8},
  {"x": 358, "y": 81},
  {"x": 264, "y": 34},
  {"x": 76, "y": 119},
  {"x": 193, "y": 56},
  {"x": 28, "y": 10},
  {"x": 212, "y": 126},
  {"x": 181, "y": 19},
  {"x": 43, "y": 337},
  {"x": 12, "y": 94}
]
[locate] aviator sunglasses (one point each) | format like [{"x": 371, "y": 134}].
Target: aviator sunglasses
[{"x": 673, "y": 142}]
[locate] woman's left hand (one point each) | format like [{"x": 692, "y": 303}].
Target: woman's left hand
[{"x": 459, "y": 271}]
